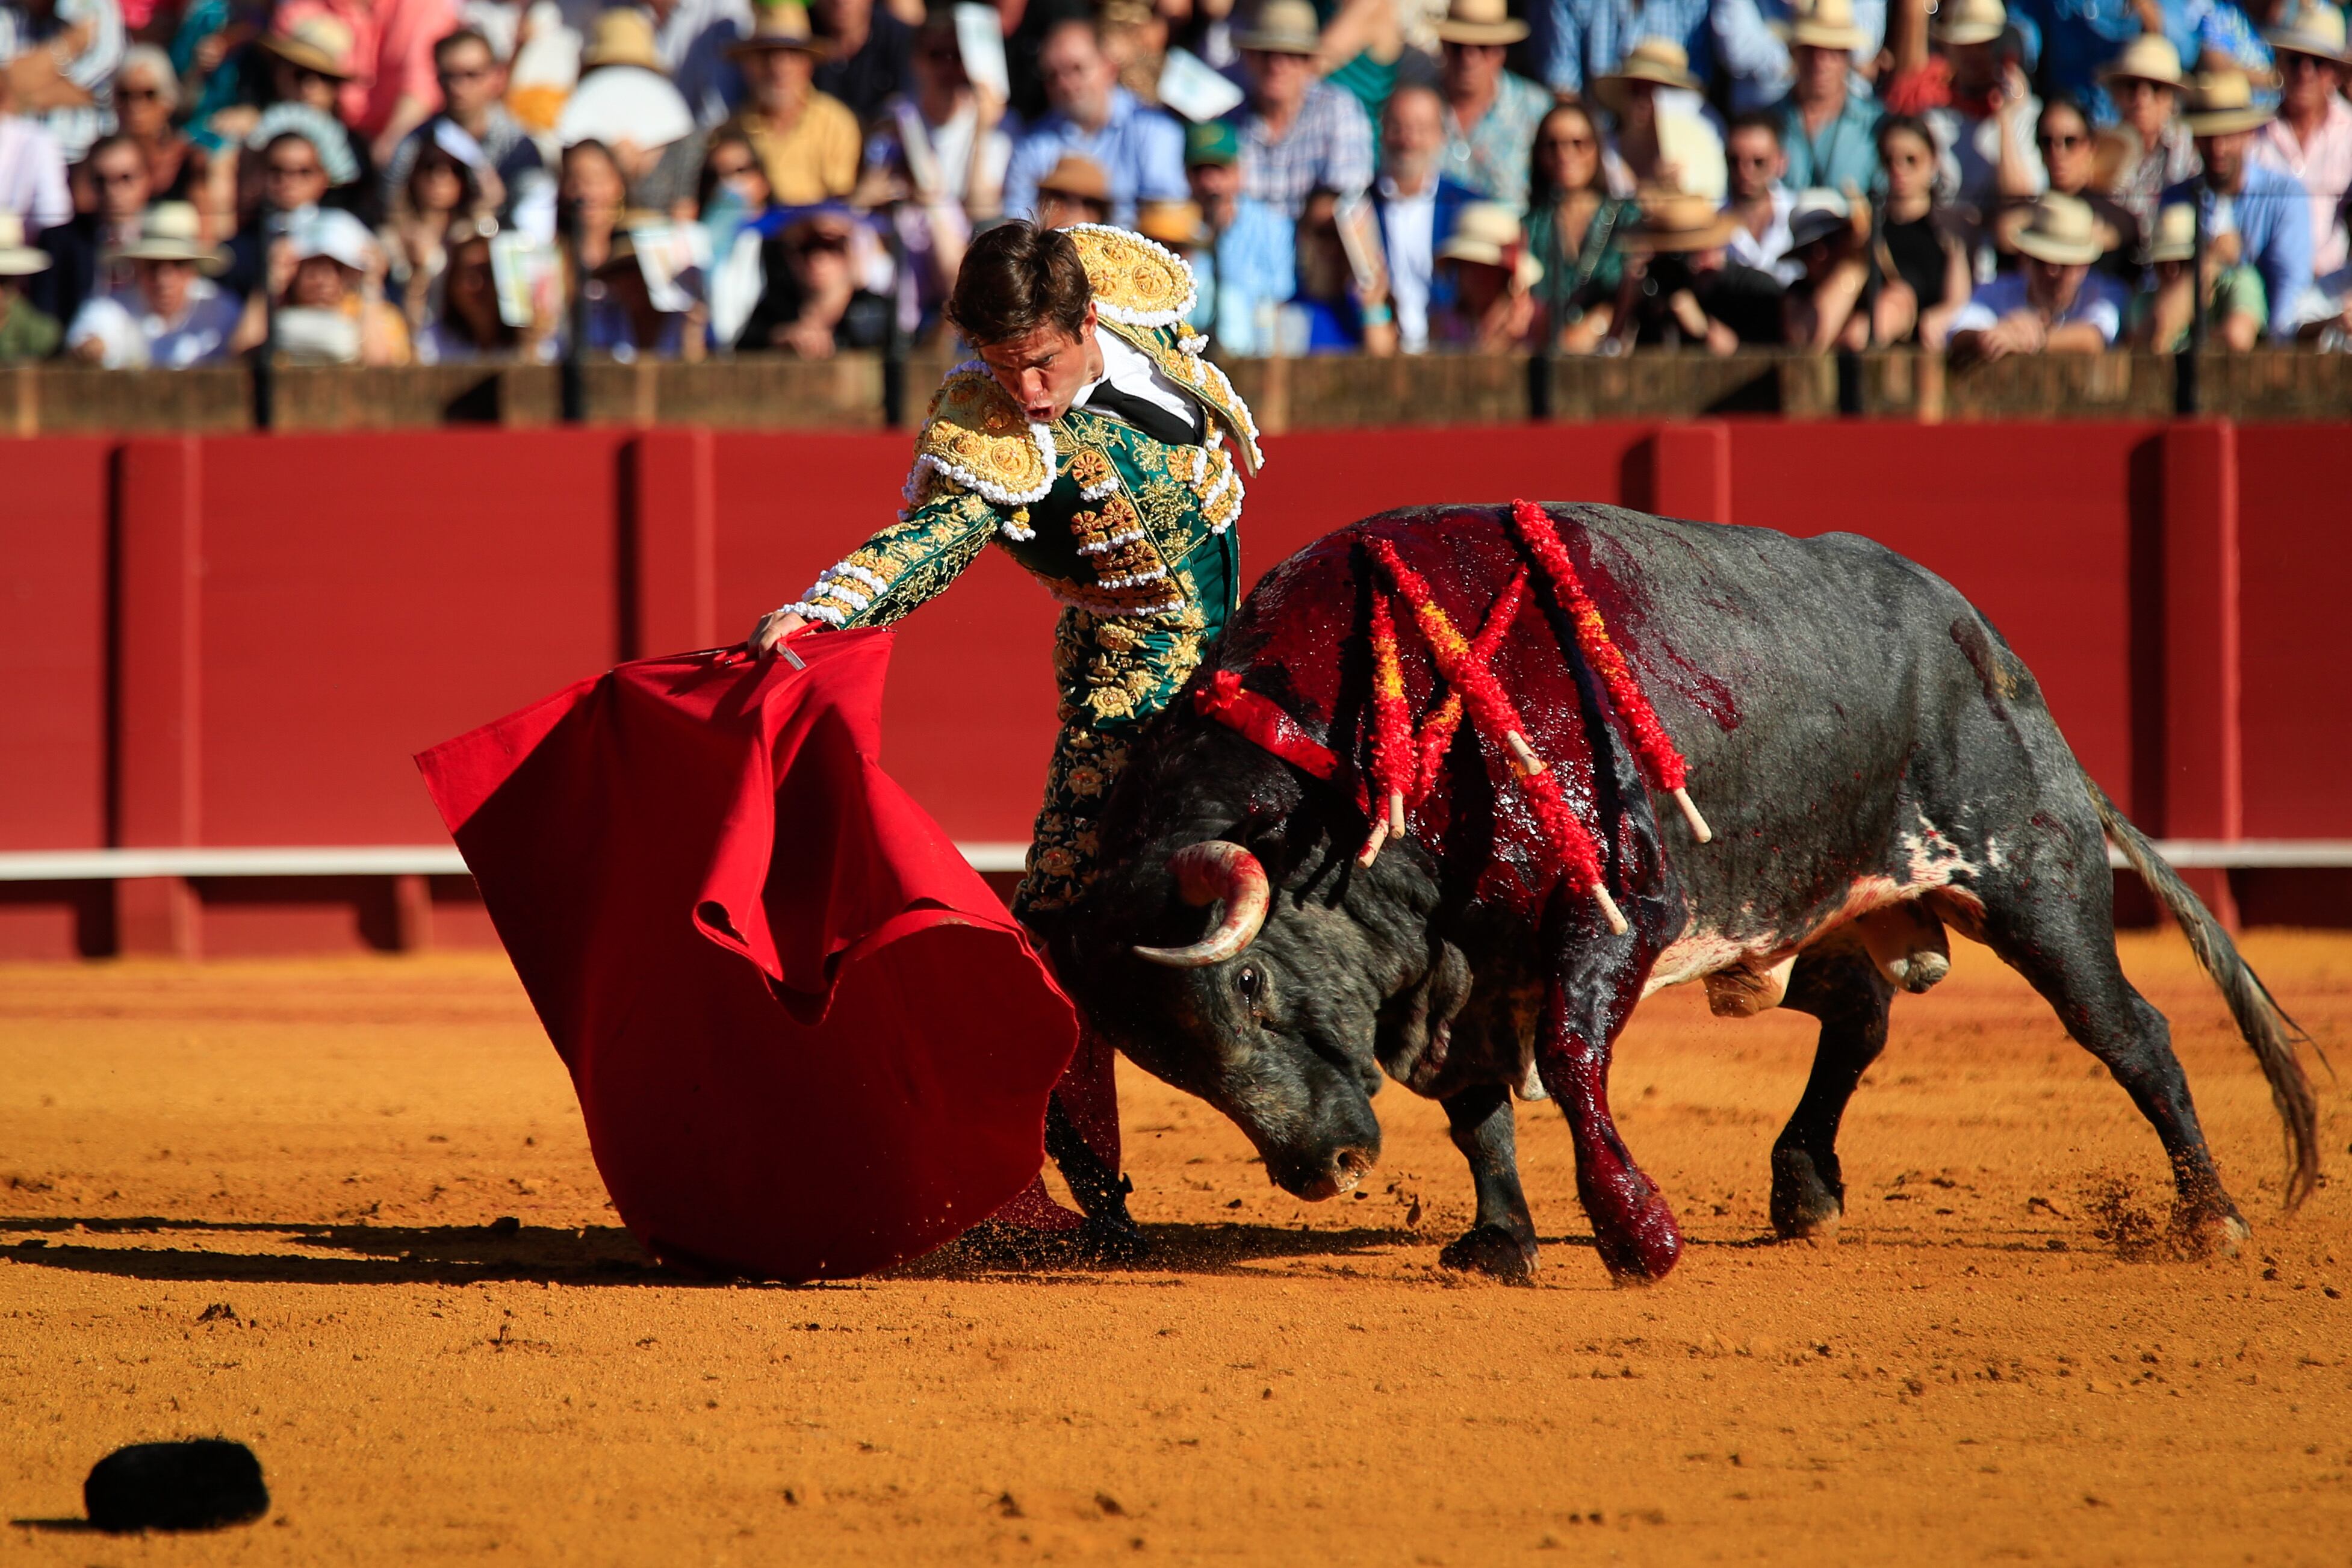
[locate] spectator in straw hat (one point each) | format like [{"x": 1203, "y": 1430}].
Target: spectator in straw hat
[
  {"x": 1140, "y": 150},
  {"x": 392, "y": 88},
  {"x": 1487, "y": 278},
  {"x": 1985, "y": 121},
  {"x": 1751, "y": 41},
  {"x": 1662, "y": 140},
  {"x": 1297, "y": 135},
  {"x": 806, "y": 140},
  {"x": 1490, "y": 114},
  {"x": 1825, "y": 129},
  {"x": 2144, "y": 84},
  {"x": 2068, "y": 151},
  {"x": 27, "y": 331},
  {"x": 2158, "y": 316},
  {"x": 2311, "y": 139},
  {"x": 2256, "y": 213},
  {"x": 1680, "y": 285},
  {"x": 2074, "y": 38},
  {"x": 1073, "y": 191},
  {"x": 2054, "y": 303},
  {"x": 170, "y": 316}
]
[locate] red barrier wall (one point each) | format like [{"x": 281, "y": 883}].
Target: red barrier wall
[{"x": 290, "y": 617}]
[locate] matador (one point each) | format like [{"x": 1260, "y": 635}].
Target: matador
[{"x": 1089, "y": 441}]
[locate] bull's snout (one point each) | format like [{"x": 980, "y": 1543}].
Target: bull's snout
[{"x": 1329, "y": 1176}]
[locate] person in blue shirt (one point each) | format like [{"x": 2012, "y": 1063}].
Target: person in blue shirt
[
  {"x": 1827, "y": 130},
  {"x": 1249, "y": 267},
  {"x": 1141, "y": 149},
  {"x": 2256, "y": 216}
]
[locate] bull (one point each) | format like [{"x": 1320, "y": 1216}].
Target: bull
[{"x": 1878, "y": 765}]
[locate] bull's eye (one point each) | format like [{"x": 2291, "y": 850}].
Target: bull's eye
[{"x": 1249, "y": 982}]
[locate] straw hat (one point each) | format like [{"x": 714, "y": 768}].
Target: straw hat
[
  {"x": 1828, "y": 25},
  {"x": 320, "y": 44},
  {"x": 2175, "y": 238},
  {"x": 621, "y": 36},
  {"x": 1486, "y": 233},
  {"x": 1963, "y": 22},
  {"x": 1673, "y": 221},
  {"x": 1479, "y": 22},
  {"x": 2222, "y": 101},
  {"x": 171, "y": 231},
  {"x": 18, "y": 259},
  {"x": 1076, "y": 175},
  {"x": 778, "y": 27},
  {"x": 2312, "y": 28},
  {"x": 1658, "y": 60},
  {"x": 2061, "y": 230},
  {"x": 1177, "y": 224},
  {"x": 1283, "y": 27},
  {"x": 2149, "y": 58}
]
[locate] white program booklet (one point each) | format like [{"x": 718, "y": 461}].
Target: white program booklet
[
  {"x": 980, "y": 38},
  {"x": 1192, "y": 89}
]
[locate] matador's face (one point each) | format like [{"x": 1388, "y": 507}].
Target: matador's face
[{"x": 1045, "y": 370}]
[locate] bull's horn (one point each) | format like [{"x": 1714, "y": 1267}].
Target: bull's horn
[{"x": 1206, "y": 873}]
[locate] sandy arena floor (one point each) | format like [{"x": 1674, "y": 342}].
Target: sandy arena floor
[{"x": 258, "y": 1200}]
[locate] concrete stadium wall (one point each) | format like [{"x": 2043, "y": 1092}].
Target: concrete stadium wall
[{"x": 241, "y": 640}]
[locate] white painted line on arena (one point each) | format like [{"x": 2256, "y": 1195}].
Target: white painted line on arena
[{"x": 366, "y": 860}]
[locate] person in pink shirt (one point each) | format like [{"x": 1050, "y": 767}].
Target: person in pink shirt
[
  {"x": 2311, "y": 139},
  {"x": 393, "y": 88}
]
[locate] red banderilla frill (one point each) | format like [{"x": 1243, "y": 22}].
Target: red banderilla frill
[
  {"x": 1651, "y": 745},
  {"x": 1491, "y": 710}
]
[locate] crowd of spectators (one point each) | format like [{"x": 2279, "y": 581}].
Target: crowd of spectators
[{"x": 393, "y": 181}]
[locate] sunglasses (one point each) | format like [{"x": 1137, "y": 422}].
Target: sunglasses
[
  {"x": 136, "y": 94},
  {"x": 2070, "y": 140},
  {"x": 291, "y": 171},
  {"x": 1573, "y": 143},
  {"x": 121, "y": 177},
  {"x": 474, "y": 73}
]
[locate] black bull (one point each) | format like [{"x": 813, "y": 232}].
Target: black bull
[{"x": 1877, "y": 766}]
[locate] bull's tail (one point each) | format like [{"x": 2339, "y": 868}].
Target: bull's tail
[{"x": 2260, "y": 1020}]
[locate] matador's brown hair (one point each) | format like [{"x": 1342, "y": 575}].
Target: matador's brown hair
[{"x": 1016, "y": 278}]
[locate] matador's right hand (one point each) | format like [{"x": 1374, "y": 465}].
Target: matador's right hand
[{"x": 773, "y": 628}]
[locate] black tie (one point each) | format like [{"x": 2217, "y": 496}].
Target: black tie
[{"x": 1167, "y": 428}]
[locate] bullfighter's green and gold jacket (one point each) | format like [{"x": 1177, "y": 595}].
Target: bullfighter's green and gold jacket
[{"x": 1135, "y": 536}]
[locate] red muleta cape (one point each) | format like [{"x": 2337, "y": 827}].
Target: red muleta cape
[{"x": 809, "y": 1042}]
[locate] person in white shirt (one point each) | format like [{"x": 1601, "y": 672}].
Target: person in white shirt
[
  {"x": 1416, "y": 207},
  {"x": 1755, "y": 164},
  {"x": 2053, "y": 303},
  {"x": 171, "y": 317}
]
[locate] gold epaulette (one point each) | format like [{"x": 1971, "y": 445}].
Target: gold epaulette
[
  {"x": 976, "y": 435},
  {"x": 1137, "y": 282}
]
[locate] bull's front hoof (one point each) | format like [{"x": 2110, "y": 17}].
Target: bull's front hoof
[
  {"x": 1804, "y": 1206},
  {"x": 2209, "y": 1232},
  {"x": 1635, "y": 1231},
  {"x": 1491, "y": 1249}
]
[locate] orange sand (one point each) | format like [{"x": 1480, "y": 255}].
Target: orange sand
[{"x": 261, "y": 1194}]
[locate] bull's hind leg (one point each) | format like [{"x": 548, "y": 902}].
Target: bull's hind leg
[
  {"x": 2062, "y": 939},
  {"x": 1586, "y": 999},
  {"x": 1843, "y": 988},
  {"x": 1502, "y": 1241}
]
